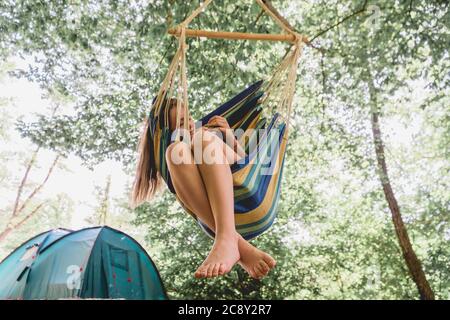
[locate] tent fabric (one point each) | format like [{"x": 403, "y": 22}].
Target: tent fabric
[
  {"x": 98, "y": 262},
  {"x": 14, "y": 266},
  {"x": 132, "y": 272}
]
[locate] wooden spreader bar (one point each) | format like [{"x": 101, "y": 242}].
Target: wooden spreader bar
[{"x": 235, "y": 35}]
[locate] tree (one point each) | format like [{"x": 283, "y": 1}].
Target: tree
[
  {"x": 102, "y": 212},
  {"x": 413, "y": 263},
  {"x": 109, "y": 58},
  {"x": 28, "y": 206}
]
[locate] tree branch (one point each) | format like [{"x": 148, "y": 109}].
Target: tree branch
[
  {"x": 23, "y": 182},
  {"x": 322, "y": 32},
  {"x": 11, "y": 228},
  {"x": 259, "y": 16},
  {"x": 38, "y": 188},
  {"x": 27, "y": 171}
]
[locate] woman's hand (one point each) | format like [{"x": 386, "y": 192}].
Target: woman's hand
[{"x": 219, "y": 122}]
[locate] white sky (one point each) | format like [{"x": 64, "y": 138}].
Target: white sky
[{"x": 79, "y": 182}]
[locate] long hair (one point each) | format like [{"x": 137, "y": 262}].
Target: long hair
[{"x": 147, "y": 180}]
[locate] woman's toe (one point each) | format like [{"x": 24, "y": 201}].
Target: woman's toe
[
  {"x": 253, "y": 274},
  {"x": 200, "y": 272},
  {"x": 215, "y": 271},
  {"x": 209, "y": 269},
  {"x": 271, "y": 263},
  {"x": 264, "y": 267},
  {"x": 222, "y": 269},
  {"x": 262, "y": 272},
  {"x": 258, "y": 273}
]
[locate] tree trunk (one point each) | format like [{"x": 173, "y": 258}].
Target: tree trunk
[
  {"x": 412, "y": 262},
  {"x": 10, "y": 228},
  {"x": 23, "y": 182},
  {"x": 39, "y": 187},
  {"x": 17, "y": 210},
  {"x": 5, "y": 233},
  {"x": 104, "y": 205}
]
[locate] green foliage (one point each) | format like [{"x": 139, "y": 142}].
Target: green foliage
[{"x": 333, "y": 237}]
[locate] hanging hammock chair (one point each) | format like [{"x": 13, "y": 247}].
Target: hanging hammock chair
[{"x": 256, "y": 179}]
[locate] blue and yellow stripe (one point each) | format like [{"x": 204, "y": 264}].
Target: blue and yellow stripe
[{"x": 256, "y": 193}]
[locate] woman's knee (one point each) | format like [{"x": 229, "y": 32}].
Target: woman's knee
[
  {"x": 205, "y": 138},
  {"x": 178, "y": 153},
  {"x": 208, "y": 148}
]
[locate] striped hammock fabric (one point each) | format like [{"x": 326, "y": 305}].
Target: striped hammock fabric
[{"x": 256, "y": 178}]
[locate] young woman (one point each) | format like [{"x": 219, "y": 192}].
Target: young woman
[{"x": 201, "y": 176}]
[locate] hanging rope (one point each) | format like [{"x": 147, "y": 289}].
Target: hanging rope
[
  {"x": 194, "y": 14},
  {"x": 284, "y": 26},
  {"x": 280, "y": 88}
]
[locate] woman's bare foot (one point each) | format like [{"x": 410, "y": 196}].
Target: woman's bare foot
[
  {"x": 256, "y": 262},
  {"x": 223, "y": 256}
]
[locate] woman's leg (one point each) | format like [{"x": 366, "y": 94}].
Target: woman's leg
[
  {"x": 191, "y": 190},
  {"x": 215, "y": 171},
  {"x": 189, "y": 186},
  {"x": 188, "y": 182},
  {"x": 219, "y": 185}
]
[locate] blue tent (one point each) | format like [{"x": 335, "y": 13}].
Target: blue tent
[{"x": 98, "y": 262}]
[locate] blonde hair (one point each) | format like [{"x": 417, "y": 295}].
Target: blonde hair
[{"x": 148, "y": 180}]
